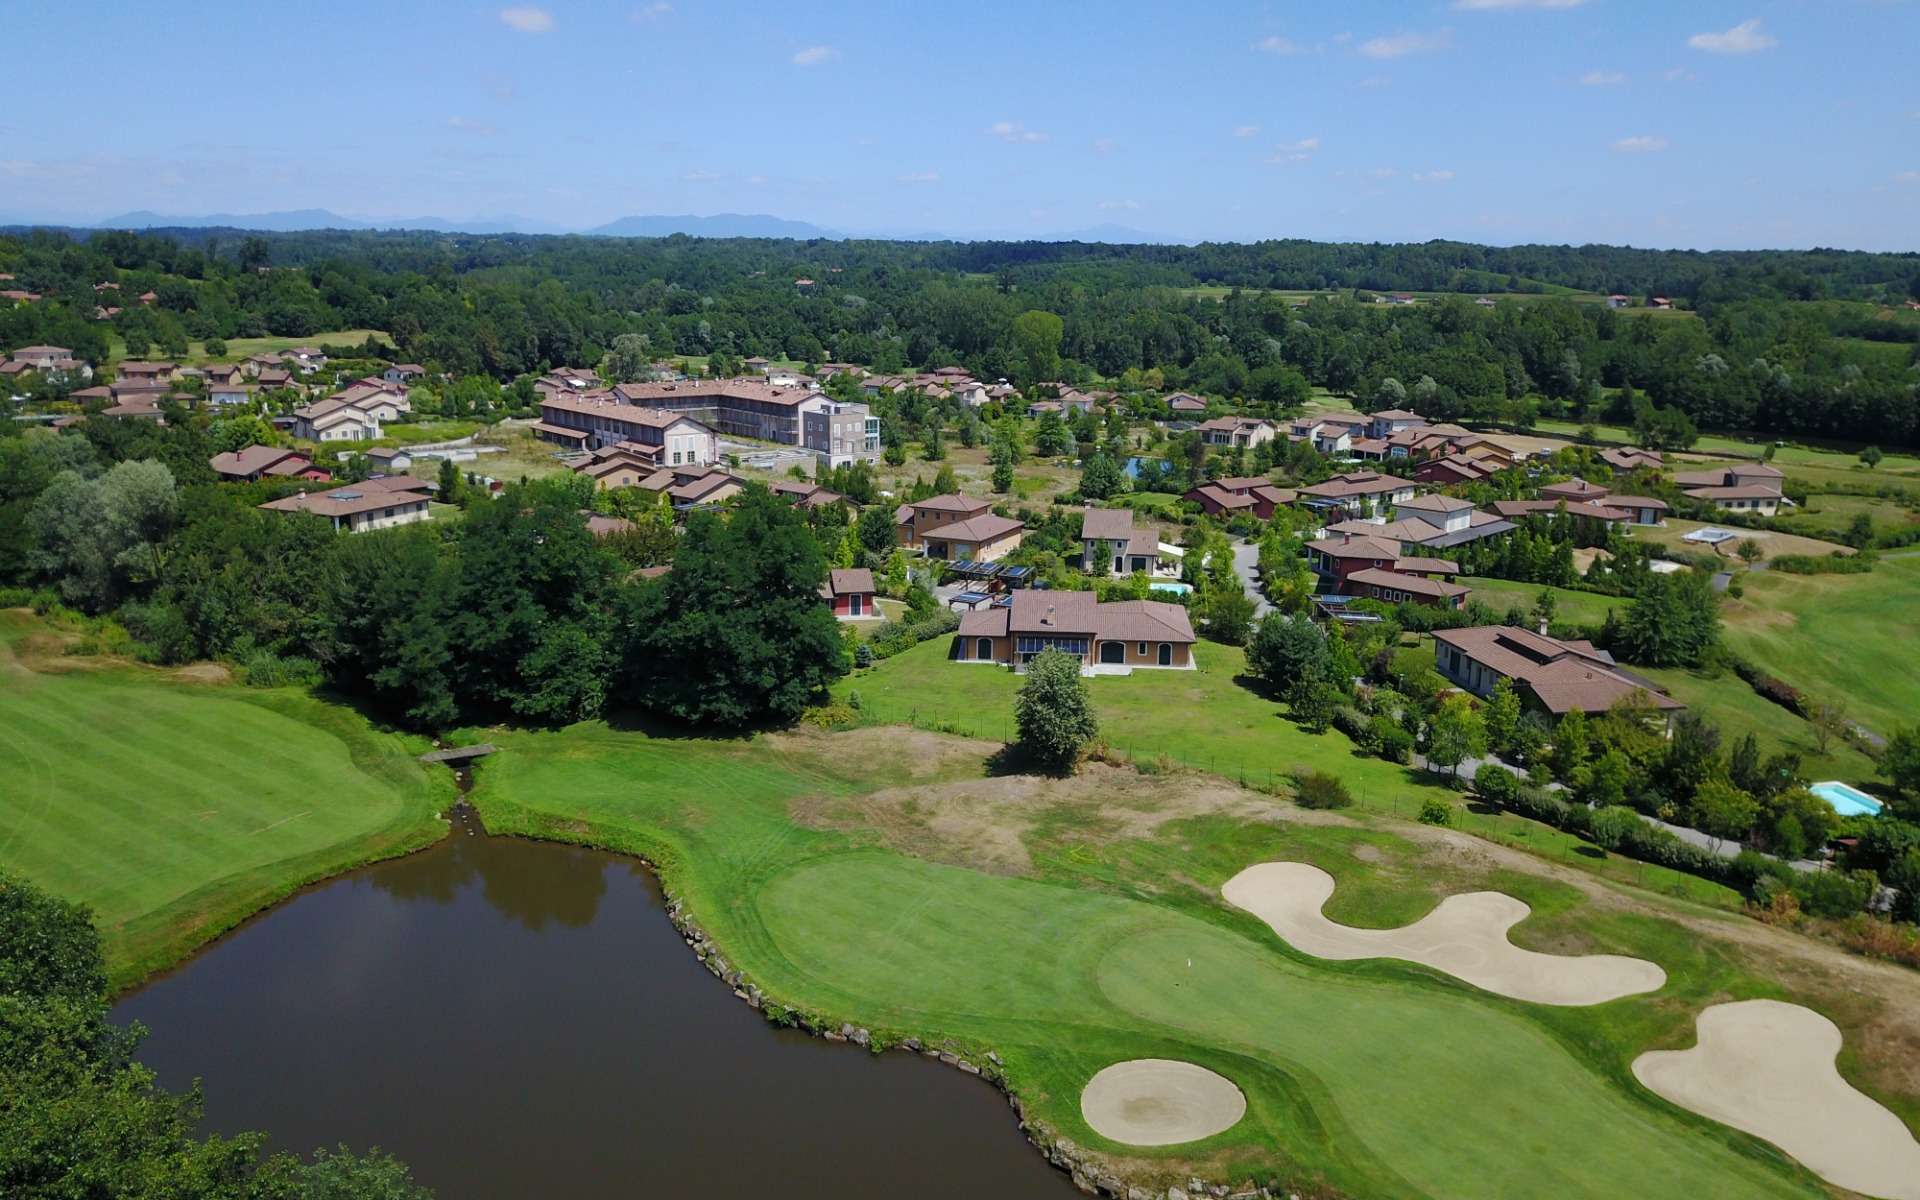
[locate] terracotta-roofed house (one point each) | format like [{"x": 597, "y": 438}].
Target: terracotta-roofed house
[
  {"x": 1452, "y": 469},
  {"x": 1631, "y": 458},
  {"x": 916, "y": 518},
  {"x": 1594, "y": 510},
  {"x": 1186, "y": 404},
  {"x": 1215, "y": 500},
  {"x": 357, "y": 507},
  {"x": 606, "y": 419},
  {"x": 1744, "y": 487},
  {"x": 1640, "y": 510},
  {"x": 985, "y": 538},
  {"x": 1114, "y": 638},
  {"x": 1238, "y": 431},
  {"x": 1358, "y": 493},
  {"x": 1110, "y": 545},
  {"x": 1573, "y": 491},
  {"x": 260, "y": 462},
  {"x": 1554, "y": 675},
  {"x": 1396, "y": 587},
  {"x": 848, "y": 591}
]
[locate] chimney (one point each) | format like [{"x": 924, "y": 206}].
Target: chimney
[
  {"x": 1543, "y": 627},
  {"x": 1048, "y": 619}
]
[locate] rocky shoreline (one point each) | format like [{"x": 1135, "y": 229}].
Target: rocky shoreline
[{"x": 1089, "y": 1172}]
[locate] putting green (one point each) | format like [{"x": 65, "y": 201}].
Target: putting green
[{"x": 1410, "y": 1087}]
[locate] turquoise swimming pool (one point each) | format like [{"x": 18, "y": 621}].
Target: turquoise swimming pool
[
  {"x": 1178, "y": 589},
  {"x": 1847, "y": 801}
]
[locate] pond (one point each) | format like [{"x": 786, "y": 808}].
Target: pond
[{"x": 515, "y": 1019}]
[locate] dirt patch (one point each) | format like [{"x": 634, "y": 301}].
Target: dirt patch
[
  {"x": 986, "y": 823},
  {"x": 1767, "y": 1068},
  {"x": 1466, "y": 937},
  {"x": 202, "y": 673},
  {"x": 1367, "y": 852},
  {"x": 893, "y": 752}
]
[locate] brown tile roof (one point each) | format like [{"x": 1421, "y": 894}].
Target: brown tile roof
[
  {"x": 344, "y": 501},
  {"x": 713, "y": 389},
  {"x": 1356, "y": 547},
  {"x": 603, "y": 526},
  {"x": 1653, "y": 502},
  {"x": 1357, "y": 483},
  {"x": 1106, "y": 524},
  {"x": 1436, "y": 503},
  {"x": 252, "y": 460},
  {"x": 1575, "y": 508},
  {"x": 1413, "y": 584},
  {"x": 1564, "y": 675},
  {"x": 1745, "y": 491},
  {"x": 1056, "y": 612},
  {"x": 952, "y": 502},
  {"x": 977, "y": 530},
  {"x": 1219, "y": 496},
  {"x": 846, "y": 581}
]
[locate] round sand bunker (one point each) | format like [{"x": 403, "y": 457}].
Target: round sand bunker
[
  {"x": 1767, "y": 1068},
  {"x": 1466, "y": 936},
  {"x": 1160, "y": 1102}
]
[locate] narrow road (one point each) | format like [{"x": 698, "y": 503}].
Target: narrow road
[{"x": 1246, "y": 562}]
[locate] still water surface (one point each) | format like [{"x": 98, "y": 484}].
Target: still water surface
[{"x": 515, "y": 1019}]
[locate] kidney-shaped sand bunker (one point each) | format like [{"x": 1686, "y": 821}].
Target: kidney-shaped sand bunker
[
  {"x": 1466, "y": 936},
  {"x": 1767, "y": 1068},
  {"x": 1160, "y": 1102}
]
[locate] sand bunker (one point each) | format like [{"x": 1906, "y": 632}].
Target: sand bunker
[
  {"x": 1767, "y": 1068},
  {"x": 1160, "y": 1102},
  {"x": 1466, "y": 936}
]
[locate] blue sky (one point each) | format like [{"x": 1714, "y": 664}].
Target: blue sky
[{"x": 1700, "y": 124}]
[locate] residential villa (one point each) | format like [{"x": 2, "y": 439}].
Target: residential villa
[
  {"x": 1186, "y": 404},
  {"x": 352, "y": 414},
  {"x": 595, "y": 421},
  {"x": 1233, "y": 495},
  {"x": 1744, "y": 487},
  {"x": 260, "y": 462},
  {"x": 1357, "y": 493},
  {"x": 985, "y": 538},
  {"x": 1237, "y": 431},
  {"x": 1556, "y": 676},
  {"x": 621, "y": 465},
  {"x": 230, "y": 395},
  {"x": 1111, "y": 638},
  {"x": 1439, "y": 522},
  {"x": 50, "y": 358},
  {"x": 1573, "y": 491},
  {"x": 1593, "y": 510},
  {"x": 914, "y": 519},
  {"x": 849, "y": 592},
  {"x": 1454, "y": 468},
  {"x": 403, "y": 373},
  {"x": 1330, "y": 433},
  {"x": 1631, "y": 458},
  {"x": 135, "y": 370},
  {"x": 1640, "y": 510},
  {"x": 358, "y": 507},
  {"x": 804, "y": 494},
  {"x": 1374, "y": 567},
  {"x": 1110, "y": 545}
]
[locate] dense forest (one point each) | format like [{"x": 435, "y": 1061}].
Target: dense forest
[{"x": 1774, "y": 342}]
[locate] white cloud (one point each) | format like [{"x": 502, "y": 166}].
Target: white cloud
[
  {"x": 469, "y": 125},
  {"x": 1603, "y": 79},
  {"x": 813, "y": 56},
  {"x": 1383, "y": 173},
  {"x": 1105, "y": 145},
  {"x": 1644, "y": 144},
  {"x": 701, "y": 175},
  {"x": 1497, "y": 5},
  {"x": 1291, "y": 152},
  {"x": 1744, "y": 38},
  {"x": 920, "y": 177},
  {"x": 1111, "y": 205},
  {"x": 1376, "y": 81},
  {"x": 1015, "y": 131},
  {"x": 1276, "y": 44},
  {"x": 1440, "y": 176},
  {"x": 1399, "y": 45},
  {"x": 1907, "y": 177},
  {"x": 1245, "y": 131},
  {"x": 651, "y": 12},
  {"x": 757, "y": 180},
  {"x": 527, "y": 19}
]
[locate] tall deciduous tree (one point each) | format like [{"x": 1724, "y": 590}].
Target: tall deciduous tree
[
  {"x": 736, "y": 635},
  {"x": 1052, "y": 712},
  {"x": 1036, "y": 337}
]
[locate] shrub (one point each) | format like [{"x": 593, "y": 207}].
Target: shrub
[
  {"x": 1435, "y": 811},
  {"x": 1320, "y": 789},
  {"x": 1395, "y": 743},
  {"x": 1496, "y": 783},
  {"x": 829, "y": 716},
  {"x": 895, "y": 636},
  {"x": 264, "y": 668},
  {"x": 1830, "y": 564},
  {"x": 1833, "y": 893}
]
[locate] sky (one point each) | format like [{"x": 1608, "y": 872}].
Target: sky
[{"x": 1750, "y": 123}]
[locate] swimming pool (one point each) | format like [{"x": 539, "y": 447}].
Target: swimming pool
[
  {"x": 1847, "y": 801},
  {"x": 1178, "y": 589}
]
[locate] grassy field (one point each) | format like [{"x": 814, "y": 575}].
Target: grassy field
[
  {"x": 1830, "y": 515},
  {"x": 1672, "y": 534},
  {"x": 1575, "y": 607},
  {"x": 1106, "y": 940},
  {"x": 176, "y": 807},
  {"x": 240, "y": 348},
  {"x": 1837, "y": 637}
]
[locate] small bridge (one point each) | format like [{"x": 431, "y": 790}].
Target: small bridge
[{"x": 457, "y": 755}]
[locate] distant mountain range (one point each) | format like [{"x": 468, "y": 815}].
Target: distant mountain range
[{"x": 719, "y": 225}]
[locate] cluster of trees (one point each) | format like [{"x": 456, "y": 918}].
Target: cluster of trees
[
  {"x": 1759, "y": 358},
  {"x": 516, "y": 611},
  {"x": 83, "y": 1118}
]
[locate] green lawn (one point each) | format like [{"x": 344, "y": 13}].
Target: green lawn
[
  {"x": 1737, "y": 709},
  {"x": 240, "y": 348},
  {"x": 1570, "y": 605},
  {"x": 1838, "y": 637},
  {"x": 176, "y": 809},
  {"x": 1370, "y": 1076}
]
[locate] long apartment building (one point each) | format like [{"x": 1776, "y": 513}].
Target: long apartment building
[
  {"x": 595, "y": 420},
  {"x": 748, "y": 408}
]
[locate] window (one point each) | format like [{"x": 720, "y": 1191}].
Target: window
[
  {"x": 1142, "y": 649},
  {"x": 983, "y": 648}
]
